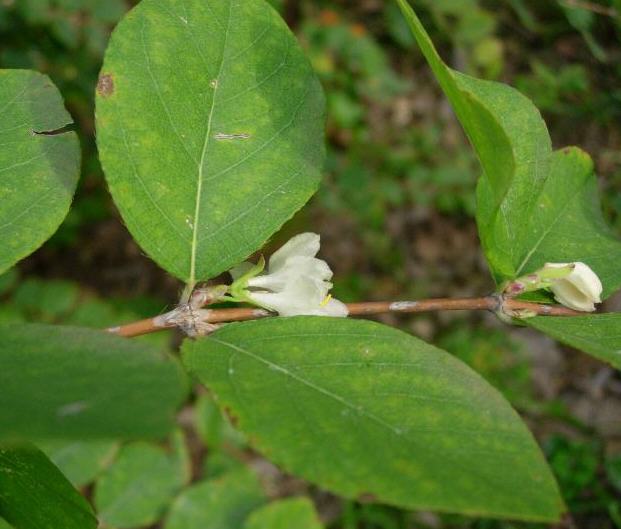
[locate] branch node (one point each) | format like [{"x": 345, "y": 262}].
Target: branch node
[
  {"x": 189, "y": 319},
  {"x": 507, "y": 313}
]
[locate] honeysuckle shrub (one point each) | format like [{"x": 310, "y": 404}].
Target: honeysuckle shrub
[{"x": 210, "y": 129}]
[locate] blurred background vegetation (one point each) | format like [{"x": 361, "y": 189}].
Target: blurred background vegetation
[{"x": 395, "y": 211}]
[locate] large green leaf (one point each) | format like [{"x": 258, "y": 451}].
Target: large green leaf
[
  {"x": 534, "y": 205},
  {"x": 137, "y": 488},
  {"x": 210, "y": 129},
  {"x": 363, "y": 409},
  {"x": 217, "y": 504},
  {"x": 38, "y": 172},
  {"x": 284, "y": 514},
  {"x": 35, "y": 495},
  {"x": 596, "y": 334},
  {"x": 67, "y": 382}
]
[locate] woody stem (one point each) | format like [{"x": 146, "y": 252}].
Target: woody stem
[{"x": 492, "y": 303}]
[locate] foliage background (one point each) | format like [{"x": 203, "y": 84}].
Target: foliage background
[{"x": 395, "y": 210}]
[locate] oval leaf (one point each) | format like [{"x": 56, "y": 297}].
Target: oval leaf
[
  {"x": 137, "y": 488},
  {"x": 72, "y": 383},
  {"x": 533, "y": 205},
  {"x": 210, "y": 129},
  {"x": 38, "y": 171},
  {"x": 217, "y": 504},
  {"x": 35, "y": 495},
  {"x": 363, "y": 409}
]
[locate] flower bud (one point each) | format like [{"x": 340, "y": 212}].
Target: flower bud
[{"x": 579, "y": 289}]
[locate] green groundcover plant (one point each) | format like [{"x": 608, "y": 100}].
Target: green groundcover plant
[{"x": 210, "y": 130}]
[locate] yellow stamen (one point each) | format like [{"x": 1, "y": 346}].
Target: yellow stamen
[{"x": 326, "y": 300}]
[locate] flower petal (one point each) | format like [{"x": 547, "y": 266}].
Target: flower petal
[
  {"x": 302, "y": 297},
  {"x": 334, "y": 308},
  {"x": 304, "y": 245},
  {"x": 587, "y": 281},
  {"x": 566, "y": 293},
  {"x": 293, "y": 269}
]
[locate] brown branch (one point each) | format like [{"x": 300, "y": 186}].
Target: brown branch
[{"x": 200, "y": 319}]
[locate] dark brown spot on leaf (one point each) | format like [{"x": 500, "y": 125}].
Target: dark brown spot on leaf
[{"x": 105, "y": 85}]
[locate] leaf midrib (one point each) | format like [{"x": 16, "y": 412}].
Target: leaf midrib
[
  {"x": 201, "y": 167},
  {"x": 282, "y": 368},
  {"x": 320, "y": 389}
]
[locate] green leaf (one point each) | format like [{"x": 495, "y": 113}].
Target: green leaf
[
  {"x": 534, "y": 205},
  {"x": 9, "y": 315},
  {"x": 214, "y": 429},
  {"x": 218, "y": 463},
  {"x": 72, "y": 383},
  {"x": 210, "y": 129},
  {"x": 362, "y": 409},
  {"x": 80, "y": 461},
  {"x": 567, "y": 223},
  {"x": 596, "y": 334},
  {"x": 294, "y": 512},
  {"x": 136, "y": 490},
  {"x": 38, "y": 172},
  {"x": 217, "y": 504},
  {"x": 35, "y": 495},
  {"x": 48, "y": 300}
]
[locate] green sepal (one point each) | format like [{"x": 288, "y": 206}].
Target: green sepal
[{"x": 238, "y": 288}]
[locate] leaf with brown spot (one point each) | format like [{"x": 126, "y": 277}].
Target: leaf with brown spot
[
  {"x": 105, "y": 85},
  {"x": 215, "y": 134}
]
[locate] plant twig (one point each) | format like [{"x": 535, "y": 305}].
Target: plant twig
[{"x": 196, "y": 321}]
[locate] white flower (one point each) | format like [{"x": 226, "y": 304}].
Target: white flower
[
  {"x": 296, "y": 282},
  {"x": 580, "y": 289}
]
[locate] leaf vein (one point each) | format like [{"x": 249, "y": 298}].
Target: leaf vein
[{"x": 201, "y": 166}]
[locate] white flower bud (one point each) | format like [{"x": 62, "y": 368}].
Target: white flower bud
[
  {"x": 580, "y": 289},
  {"x": 296, "y": 282}
]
